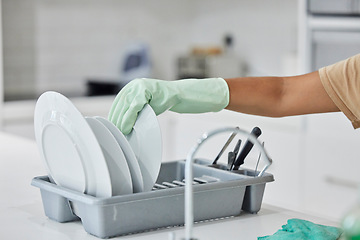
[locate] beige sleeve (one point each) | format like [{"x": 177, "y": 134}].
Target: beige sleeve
[{"x": 342, "y": 82}]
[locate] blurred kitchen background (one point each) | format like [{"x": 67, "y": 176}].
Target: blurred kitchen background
[{"x": 88, "y": 49}]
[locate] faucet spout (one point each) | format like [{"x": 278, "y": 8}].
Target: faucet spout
[{"x": 189, "y": 201}]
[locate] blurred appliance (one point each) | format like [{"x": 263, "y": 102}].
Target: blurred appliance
[
  {"x": 203, "y": 66},
  {"x": 334, "y": 7},
  {"x": 135, "y": 63},
  {"x": 216, "y": 61},
  {"x": 329, "y": 31},
  {"x": 98, "y": 87},
  {"x": 192, "y": 67}
]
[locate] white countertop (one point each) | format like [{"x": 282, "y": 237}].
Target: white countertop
[{"x": 22, "y": 215}]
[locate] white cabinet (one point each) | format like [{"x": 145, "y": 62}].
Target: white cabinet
[{"x": 332, "y": 165}]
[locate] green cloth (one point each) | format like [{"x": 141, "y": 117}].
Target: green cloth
[{"x": 297, "y": 229}]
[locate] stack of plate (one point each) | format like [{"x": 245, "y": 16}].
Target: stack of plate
[{"x": 91, "y": 155}]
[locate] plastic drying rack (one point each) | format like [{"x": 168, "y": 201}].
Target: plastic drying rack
[{"x": 217, "y": 193}]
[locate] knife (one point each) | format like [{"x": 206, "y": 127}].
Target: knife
[
  {"x": 234, "y": 155},
  {"x": 225, "y": 146},
  {"x": 231, "y": 159},
  {"x": 246, "y": 149}
]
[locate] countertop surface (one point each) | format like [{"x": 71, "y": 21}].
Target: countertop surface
[{"x": 22, "y": 215}]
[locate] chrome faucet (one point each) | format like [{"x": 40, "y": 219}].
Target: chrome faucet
[{"x": 189, "y": 208}]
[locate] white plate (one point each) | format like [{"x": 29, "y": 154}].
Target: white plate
[
  {"x": 72, "y": 155},
  {"x": 145, "y": 140},
  {"x": 118, "y": 167},
  {"x": 137, "y": 180}
]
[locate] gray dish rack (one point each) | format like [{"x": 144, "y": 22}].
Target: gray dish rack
[{"x": 217, "y": 193}]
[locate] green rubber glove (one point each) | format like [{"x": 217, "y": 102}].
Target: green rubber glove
[{"x": 182, "y": 96}]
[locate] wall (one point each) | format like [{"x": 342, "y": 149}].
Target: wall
[
  {"x": 1, "y": 74},
  {"x": 60, "y": 44},
  {"x": 19, "y": 46}
]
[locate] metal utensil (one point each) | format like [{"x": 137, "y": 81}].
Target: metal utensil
[
  {"x": 236, "y": 151},
  {"x": 257, "y": 163},
  {"x": 231, "y": 159},
  {"x": 225, "y": 146},
  {"x": 237, "y": 147},
  {"x": 256, "y": 132}
]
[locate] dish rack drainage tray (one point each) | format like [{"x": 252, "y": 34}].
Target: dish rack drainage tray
[{"x": 217, "y": 193}]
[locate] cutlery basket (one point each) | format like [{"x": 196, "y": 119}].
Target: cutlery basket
[{"x": 217, "y": 193}]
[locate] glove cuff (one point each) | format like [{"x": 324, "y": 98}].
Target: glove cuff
[
  {"x": 201, "y": 95},
  {"x": 224, "y": 90}
]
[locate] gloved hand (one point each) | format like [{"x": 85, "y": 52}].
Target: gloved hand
[{"x": 182, "y": 96}]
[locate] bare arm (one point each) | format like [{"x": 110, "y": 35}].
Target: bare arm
[{"x": 279, "y": 96}]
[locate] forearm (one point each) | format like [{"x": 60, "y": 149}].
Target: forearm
[
  {"x": 279, "y": 96},
  {"x": 255, "y": 95}
]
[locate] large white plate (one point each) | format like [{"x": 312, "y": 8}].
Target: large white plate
[
  {"x": 71, "y": 153},
  {"x": 137, "y": 180},
  {"x": 145, "y": 140},
  {"x": 118, "y": 167}
]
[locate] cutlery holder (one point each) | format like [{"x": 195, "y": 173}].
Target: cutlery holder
[{"x": 217, "y": 193}]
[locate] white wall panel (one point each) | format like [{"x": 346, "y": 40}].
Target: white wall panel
[{"x": 59, "y": 44}]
